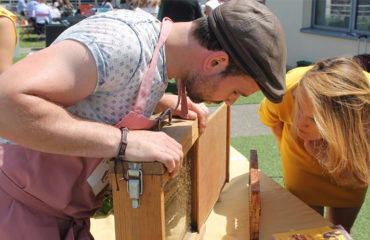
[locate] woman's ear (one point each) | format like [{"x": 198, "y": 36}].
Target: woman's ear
[{"x": 216, "y": 62}]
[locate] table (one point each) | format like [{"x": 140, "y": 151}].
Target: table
[
  {"x": 229, "y": 219},
  {"x": 281, "y": 211}
]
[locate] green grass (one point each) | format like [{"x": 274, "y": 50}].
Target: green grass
[
  {"x": 270, "y": 163},
  {"x": 269, "y": 160},
  {"x": 254, "y": 98},
  {"x": 16, "y": 59},
  {"x": 30, "y": 40}
]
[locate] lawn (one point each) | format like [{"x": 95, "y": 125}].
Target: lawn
[
  {"x": 254, "y": 98},
  {"x": 30, "y": 40},
  {"x": 270, "y": 164}
]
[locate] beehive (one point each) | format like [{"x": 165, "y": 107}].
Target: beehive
[{"x": 174, "y": 208}]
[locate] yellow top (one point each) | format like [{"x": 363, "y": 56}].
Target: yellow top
[
  {"x": 303, "y": 175},
  {"x": 6, "y": 13}
]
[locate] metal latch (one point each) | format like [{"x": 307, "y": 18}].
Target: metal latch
[{"x": 135, "y": 183}]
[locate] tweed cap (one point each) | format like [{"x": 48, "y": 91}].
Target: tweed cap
[{"x": 253, "y": 36}]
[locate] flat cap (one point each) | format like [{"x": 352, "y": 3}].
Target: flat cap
[{"x": 253, "y": 36}]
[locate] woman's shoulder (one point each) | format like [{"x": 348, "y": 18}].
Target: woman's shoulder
[{"x": 295, "y": 75}]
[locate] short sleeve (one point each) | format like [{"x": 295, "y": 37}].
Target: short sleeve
[
  {"x": 271, "y": 113},
  {"x": 268, "y": 113}
]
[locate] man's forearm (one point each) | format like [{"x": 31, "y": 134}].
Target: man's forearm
[
  {"x": 41, "y": 125},
  {"x": 44, "y": 126}
]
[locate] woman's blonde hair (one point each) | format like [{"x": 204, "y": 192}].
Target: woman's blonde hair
[{"x": 340, "y": 94}]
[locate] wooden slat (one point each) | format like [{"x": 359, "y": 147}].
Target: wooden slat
[
  {"x": 183, "y": 131},
  {"x": 210, "y": 166},
  {"x": 254, "y": 196},
  {"x": 228, "y": 137}
]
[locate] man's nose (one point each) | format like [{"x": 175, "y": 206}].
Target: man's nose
[{"x": 231, "y": 99}]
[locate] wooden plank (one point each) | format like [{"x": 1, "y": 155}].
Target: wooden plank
[
  {"x": 228, "y": 137},
  {"x": 148, "y": 220},
  {"x": 209, "y": 166},
  {"x": 183, "y": 131},
  {"x": 145, "y": 222},
  {"x": 254, "y": 196}
]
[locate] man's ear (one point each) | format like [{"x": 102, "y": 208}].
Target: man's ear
[{"x": 216, "y": 62}]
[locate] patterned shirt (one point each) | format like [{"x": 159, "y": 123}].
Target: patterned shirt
[{"x": 122, "y": 43}]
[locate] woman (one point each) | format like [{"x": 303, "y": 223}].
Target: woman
[
  {"x": 8, "y": 38},
  {"x": 322, "y": 129},
  {"x": 67, "y": 8}
]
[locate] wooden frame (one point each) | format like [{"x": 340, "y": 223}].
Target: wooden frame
[
  {"x": 209, "y": 173},
  {"x": 254, "y": 197}
]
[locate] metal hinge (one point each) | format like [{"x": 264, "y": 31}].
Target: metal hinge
[{"x": 135, "y": 183}]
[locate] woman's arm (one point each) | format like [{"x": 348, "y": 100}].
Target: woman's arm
[
  {"x": 7, "y": 43},
  {"x": 277, "y": 131}
]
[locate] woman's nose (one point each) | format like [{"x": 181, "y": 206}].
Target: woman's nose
[{"x": 300, "y": 120}]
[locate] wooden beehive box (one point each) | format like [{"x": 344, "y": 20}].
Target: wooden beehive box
[{"x": 175, "y": 208}]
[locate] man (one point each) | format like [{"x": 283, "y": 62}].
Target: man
[
  {"x": 42, "y": 16},
  {"x": 21, "y": 7},
  {"x": 31, "y": 5},
  {"x": 64, "y": 101}
]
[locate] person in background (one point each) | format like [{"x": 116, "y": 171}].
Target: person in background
[
  {"x": 21, "y": 7},
  {"x": 59, "y": 119},
  {"x": 55, "y": 12},
  {"x": 66, "y": 8},
  {"x": 8, "y": 38},
  {"x": 180, "y": 10},
  {"x": 43, "y": 16},
  {"x": 108, "y": 4},
  {"x": 149, "y": 6},
  {"x": 31, "y": 5},
  {"x": 210, "y": 5},
  {"x": 322, "y": 129},
  {"x": 57, "y": 3}
]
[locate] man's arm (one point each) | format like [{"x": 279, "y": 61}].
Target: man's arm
[{"x": 34, "y": 92}]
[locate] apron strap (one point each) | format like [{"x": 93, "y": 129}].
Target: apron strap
[
  {"x": 146, "y": 83},
  {"x": 182, "y": 98}
]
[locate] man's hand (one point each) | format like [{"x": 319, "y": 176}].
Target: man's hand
[
  {"x": 148, "y": 146},
  {"x": 195, "y": 110}
]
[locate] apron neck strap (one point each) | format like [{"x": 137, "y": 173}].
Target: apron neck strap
[
  {"x": 146, "y": 83},
  {"x": 182, "y": 98}
]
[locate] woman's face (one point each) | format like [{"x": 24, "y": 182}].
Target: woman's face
[{"x": 306, "y": 125}]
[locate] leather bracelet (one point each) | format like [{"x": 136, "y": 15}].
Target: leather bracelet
[{"x": 123, "y": 143}]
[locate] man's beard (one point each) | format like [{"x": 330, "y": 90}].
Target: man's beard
[{"x": 196, "y": 85}]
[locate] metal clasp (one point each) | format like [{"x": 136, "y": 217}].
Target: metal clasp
[
  {"x": 161, "y": 119},
  {"x": 135, "y": 183}
]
